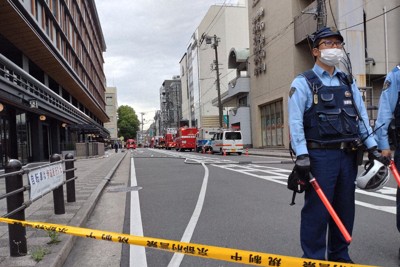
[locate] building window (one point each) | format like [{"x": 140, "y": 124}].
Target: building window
[
  {"x": 109, "y": 100},
  {"x": 55, "y": 8},
  {"x": 272, "y": 124},
  {"x": 243, "y": 101}
]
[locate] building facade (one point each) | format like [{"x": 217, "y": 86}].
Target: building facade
[
  {"x": 111, "y": 110},
  {"x": 222, "y": 28},
  {"x": 235, "y": 100},
  {"x": 170, "y": 101},
  {"x": 52, "y": 83},
  {"x": 280, "y": 50}
]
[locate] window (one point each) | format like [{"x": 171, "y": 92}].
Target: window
[
  {"x": 233, "y": 136},
  {"x": 109, "y": 100},
  {"x": 243, "y": 101},
  {"x": 272, "y": 124},
  {"x": 55, "y": 8}
]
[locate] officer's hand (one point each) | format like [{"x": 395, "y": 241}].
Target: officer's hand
[
  {"x": 373, "y": 153},
  {"x": 387, "y": 153},
  {"x": 303, "y": 166}
]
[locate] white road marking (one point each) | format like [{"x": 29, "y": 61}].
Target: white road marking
[
  {"x": 279, "y": 174},
  {"x": 187, "y": 235},
  {"x": 137, "y": 254},
  {"x": 388, "y": 209}
]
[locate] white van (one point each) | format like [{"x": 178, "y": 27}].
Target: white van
[{"x": 228, "y": 141}]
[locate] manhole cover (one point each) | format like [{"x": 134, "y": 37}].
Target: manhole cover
[{"x": 124, "y": 189}]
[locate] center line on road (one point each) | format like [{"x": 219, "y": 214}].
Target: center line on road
[
  {"x": 187, "y": 235},
  {"x": 137, "y": 254}
]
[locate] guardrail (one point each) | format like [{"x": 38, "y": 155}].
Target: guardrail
[{"x": 40, "y": 180}]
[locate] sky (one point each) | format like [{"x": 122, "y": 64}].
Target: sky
[{"x": 145, "y": 41}]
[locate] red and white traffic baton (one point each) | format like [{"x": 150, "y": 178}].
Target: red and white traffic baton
[
  {"x": 330, "y": 209},
  {"x": 394, "y": 171}
]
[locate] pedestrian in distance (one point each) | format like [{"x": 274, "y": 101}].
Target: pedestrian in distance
[
  {"x": 116, "y": 147},
  {"x": 328, "y": 125},
  {"x": 389, "y": 108}
]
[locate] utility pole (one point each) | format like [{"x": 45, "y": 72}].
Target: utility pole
[
  {"x": 321, "y": 16},
  {"x": 177, "y": 106},
  {"x": 220, "y": 112},
  {"x": 141, "y": 136}
]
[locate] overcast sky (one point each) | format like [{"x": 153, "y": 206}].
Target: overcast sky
[{"x": 145, "y": 41}]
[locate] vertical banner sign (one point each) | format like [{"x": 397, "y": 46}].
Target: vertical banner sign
[{"x": 45, "y": 179}]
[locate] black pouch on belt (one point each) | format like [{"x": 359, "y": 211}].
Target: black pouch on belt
[{"x": 360, "y": 156}]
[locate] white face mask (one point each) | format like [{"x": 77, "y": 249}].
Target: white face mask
[{"x": 331, "y": 56}]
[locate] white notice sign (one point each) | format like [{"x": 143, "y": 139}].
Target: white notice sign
[{"x": 45, "y": 179}]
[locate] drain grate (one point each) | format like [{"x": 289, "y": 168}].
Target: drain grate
[{"x": 124, "y": 189}]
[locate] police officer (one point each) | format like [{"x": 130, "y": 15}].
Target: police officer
[
  {"x": 389, "y": 107},
  {"x": 326, "y": 120}
]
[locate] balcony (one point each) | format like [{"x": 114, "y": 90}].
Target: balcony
[
  {"x": 305, "y": 24},
  {"x": 237, "y": 87}
]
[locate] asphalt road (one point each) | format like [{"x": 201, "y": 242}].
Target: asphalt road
[{"x": 243, "y": 206}]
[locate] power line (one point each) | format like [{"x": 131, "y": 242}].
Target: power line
[{"x": 377, "y": 16}]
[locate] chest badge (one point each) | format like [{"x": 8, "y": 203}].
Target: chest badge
[
  {"x": 347, "y": 94},
  {"x": 315, "y": 99}
]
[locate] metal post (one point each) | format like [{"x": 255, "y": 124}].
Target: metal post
[
  {"x": 58, "y": 193},
  {"x": 16, "y": 233},
  {"x": 69, "y": 165}
]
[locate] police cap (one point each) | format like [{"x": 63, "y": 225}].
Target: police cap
[{"x": 324, "y": 33}]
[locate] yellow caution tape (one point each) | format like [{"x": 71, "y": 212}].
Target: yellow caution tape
[{"x": 212, "y": 252}]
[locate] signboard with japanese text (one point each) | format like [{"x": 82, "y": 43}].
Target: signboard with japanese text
[{"x": 45, "y": 179}]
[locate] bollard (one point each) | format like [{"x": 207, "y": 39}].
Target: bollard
[
  {"x": 69, "y": 165},
  {"x": 16, "y": 233},
  {"x": 58, "y": 193}
]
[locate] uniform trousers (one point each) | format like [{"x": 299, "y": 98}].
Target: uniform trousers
[
  {"x": 335, "y": 170},
  {"x": 397, "y": 163}
]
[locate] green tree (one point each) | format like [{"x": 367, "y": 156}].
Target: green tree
[{"x": 128, "y": 122}]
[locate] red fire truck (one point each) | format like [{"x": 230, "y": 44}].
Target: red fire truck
[
  {"x": 186, "y": 138},
  {"x": 170, "y": 138},
  {"x": 159, "y": 142},
  {"x": 130, "y": 144}
]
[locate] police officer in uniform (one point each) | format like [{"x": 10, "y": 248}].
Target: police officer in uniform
[
  {"x": 326, "y": 120},
  {"x": 389, "y": 107}
]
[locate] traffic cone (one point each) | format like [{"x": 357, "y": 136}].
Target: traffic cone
[
  {"x": 247, "y": 152},
  {"x": 209, "y": 151},
  {"x": 224, "y": 152}
]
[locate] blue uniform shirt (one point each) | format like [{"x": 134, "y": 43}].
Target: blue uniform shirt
[
  {"x": 387, "y": 105},
  {"x": 300, "y": 100}
]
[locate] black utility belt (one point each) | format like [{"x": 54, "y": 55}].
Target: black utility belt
[{"x": 339, "y": 145}]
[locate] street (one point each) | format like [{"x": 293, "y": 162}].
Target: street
[{"x": 231, "y": 201}]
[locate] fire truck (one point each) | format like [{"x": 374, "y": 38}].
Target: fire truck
[
  {"x": 159, "y": 142},
  {"x": 170, "y": 138},
  {"x": 130, "y": 144},
  {"x": 186, "y": 139}
]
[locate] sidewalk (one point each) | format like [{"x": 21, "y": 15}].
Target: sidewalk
[
  {"x": 93, "y": 175},
  {"x": 270, "y": 152}
]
